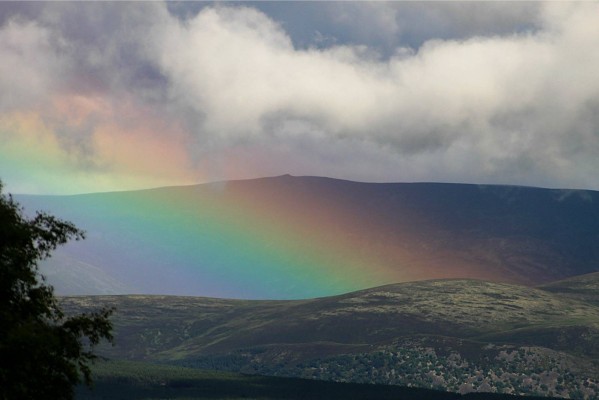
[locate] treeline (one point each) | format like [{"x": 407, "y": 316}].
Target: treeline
[
  {"x": 129, "y": 380},
  {"x": 506, "y": 369}
]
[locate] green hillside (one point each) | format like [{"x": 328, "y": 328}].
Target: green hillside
[
  {"x": 458, "y": 335},
  {"x": 582, "y": 287}
]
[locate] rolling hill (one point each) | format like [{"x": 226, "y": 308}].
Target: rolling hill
[
  {"x": 582, "y": 287},
  {"x": 301, "y": 237},
  {"x": 456, "y": 335}
]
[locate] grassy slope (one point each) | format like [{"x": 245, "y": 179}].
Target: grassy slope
[
  {"x": 435, "y": 334},
  {"x": 582, "y": 287},
  {"x": 170, "y": 328}
]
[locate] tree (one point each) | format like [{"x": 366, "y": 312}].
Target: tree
[{"x": 43, "y": 353}]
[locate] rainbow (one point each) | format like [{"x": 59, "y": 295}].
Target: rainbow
[
  {"x": 199, "y": 241},
  {"x": 271, "y": 238},
  {"x": 225, "y": 239}
]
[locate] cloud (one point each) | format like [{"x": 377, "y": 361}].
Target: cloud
[
  {"x": 492, "y": 96},
  {"x": 521, "y": 105},
  {"x": 77, "y": 88},
  {"x": 30, "y": 61},
  {"x": 384, "y": 26}
]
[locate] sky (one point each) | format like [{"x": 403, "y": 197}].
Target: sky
[{"x": 126, "y": 95}]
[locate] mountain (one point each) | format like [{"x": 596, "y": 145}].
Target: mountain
[
  {"x": 456, "y": 335},
  {"x": 301, "y": 237}
]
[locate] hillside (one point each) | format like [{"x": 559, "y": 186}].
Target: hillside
[
  {"x": 583, "y": 287},
  {"x": 458, "y": 335},
  {"x": 301, "y": 237}
]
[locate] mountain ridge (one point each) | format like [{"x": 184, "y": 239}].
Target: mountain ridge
[
  {"x": 300, "y": 237},
  {"x": 309, "y": 177}
]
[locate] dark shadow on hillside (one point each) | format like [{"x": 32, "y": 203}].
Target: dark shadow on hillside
[{"x": 259, "y": 387}]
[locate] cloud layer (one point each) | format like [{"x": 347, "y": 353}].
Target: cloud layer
[{"x": 119, "y": 95}]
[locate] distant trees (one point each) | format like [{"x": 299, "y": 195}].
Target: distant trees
[{"x": 43, "y": 353}]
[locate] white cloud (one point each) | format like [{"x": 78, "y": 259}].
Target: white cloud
[
  {"x": 523, "y": 99},
  {"x": 503, "y": 106},
  {"x": 30, "y": 62}
]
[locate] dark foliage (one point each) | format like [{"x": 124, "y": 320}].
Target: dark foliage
[
  {"x": 150, "y": 381},
  {"x": 43, "y": 353}
]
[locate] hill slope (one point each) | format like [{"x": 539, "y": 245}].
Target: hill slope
[
  {"x": 459, "y": 335},
  {"x": 582, "y": 287},
  {"x": 300, "y": 237}
]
